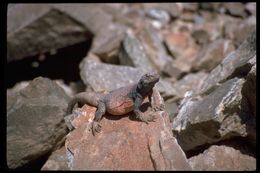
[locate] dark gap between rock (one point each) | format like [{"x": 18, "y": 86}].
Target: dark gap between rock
[{"x": 62, "y": 65}]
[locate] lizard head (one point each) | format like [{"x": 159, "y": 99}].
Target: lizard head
[{"x": 149, "y": 79}]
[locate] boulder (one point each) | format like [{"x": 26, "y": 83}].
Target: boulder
[
  {"x": 124, "y": 143},
  {"x": 132, "y": 53},
  {"x": 57, "y": 160},
  {"x": 106, "y": 44},
  {"x": 212, "y": 117},
  {"x": 235, "y": 9},
  {"x": 219, "y": 109},
  {"x": 35, "y": 124},
  {"x": 174, "y": 9},
  {"x": 110, "y": 77},
  {"x": 235, "y": 64},
  {"x": 222, "y": 158},
  {"x": 31, "y": 30},
  {"x": 212, "y": 54}
]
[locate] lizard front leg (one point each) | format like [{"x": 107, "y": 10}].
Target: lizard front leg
[
  {"x": 139, "y": 115},
  {"x": 101, "y": 109}
]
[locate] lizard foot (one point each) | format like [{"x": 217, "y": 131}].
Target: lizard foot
[{"x": 96, "y": 128}]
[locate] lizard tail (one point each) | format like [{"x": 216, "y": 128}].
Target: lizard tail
[{"x": 90, "y": 98}]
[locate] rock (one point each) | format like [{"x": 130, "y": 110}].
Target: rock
[
  {"x": 192, "y": 81},
  {"x": 230, "y": 25},
  {"x": 244, "y": 29},
  {"x": 222, "y": 158},
  {"x": 132, "y": 53},
  {"x": 91, "y": 16},
  {"x": 200, "y": 36},
  {"x": 187, "y": 16},
  {"x": 249, "y": 90},
  {"x": 235, "y": 9},
  {"x": 35, "y": 124},
  {"x": 210, "y": 6},
  {"x": 212, "y": 117},
  {"x": 159, "y": 15},
  {"x": 190, "y": 6},
  {"x": 155, "y": 50},
  {"x": 235, "y": 64},
  {"x": 57, "y": 160},
  {"x": 110, "y": 77},
  {"x": 183, "y": 49},
  {"x": 251, "y": 7},
  {"x": 174, "y": 9},
  {"x": 125, "y": 144},
  {"x": 212, "y": 54},
  {"x": 31, "y": 30},
  {"x": 171, "y": 107},
  {"x": 219, "y": 105},
  {"x": 106, "y": 44}
]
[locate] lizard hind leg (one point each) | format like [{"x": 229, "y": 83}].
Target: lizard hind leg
[{"x": 101, "y": 110}]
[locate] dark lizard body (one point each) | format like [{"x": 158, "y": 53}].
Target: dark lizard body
[{"x": 119, "y": 101}]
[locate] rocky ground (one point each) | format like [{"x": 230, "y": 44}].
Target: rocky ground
[{"x": 204, "y": 52}]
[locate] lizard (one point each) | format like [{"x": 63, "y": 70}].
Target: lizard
[{"x": 120, "y": 101}]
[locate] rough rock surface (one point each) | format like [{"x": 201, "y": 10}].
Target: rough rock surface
[
  {"x": 35, "y": 124},
  {"x": 132, "y": 53},
  {"x": 124, "y": 144},
  {"x": 154, "y": 48},
  {"x": 235, "y": 64},
  {"x": 106, "y": 44},
  {"x": 219, "y": 110},
  {"x": 222, "y": 158},
  {"x": 35, "y": 32},
  {"x": 57, "y": 160},
  {"x": 110, "y": 77},
  {"x": 212, "y": 118},
  {"x": 212, "y": 54}
]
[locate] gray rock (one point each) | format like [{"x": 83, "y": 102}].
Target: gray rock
[
  {"x": 210, "y": 6},
  {"x": 190, "y": 6},
  {"x": 235, "y": 64},
  {"x": 251, "y": 7},
  {"x": 110, "y": 77},
  {"x": 159, "y": 15},
  {"x": 106, "y": 44},
  {"x": 222, "y": 158},
  {"x": 192, "y": 81},
  {"x": 38, "y": 28},
  {"x": 200, "y": 36},
  {"x": 244, "y": 29},
  {"x": 35, "y": 124},
  {"x": 249, "y": 89},
  {"x": 172, "y": 8},
  {"x": 155, "y": 49},
  {"x": 235, "y": 9},
  {"x": 212, "y": 117},
  {"x": 91, "y": 15},
  {"x": 212, "y": 54},
  {"x": 132, "y": 53},
  {"x": 57, "y": 161}
]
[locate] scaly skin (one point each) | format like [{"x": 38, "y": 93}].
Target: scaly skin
[{"x": 119, "y": 101}]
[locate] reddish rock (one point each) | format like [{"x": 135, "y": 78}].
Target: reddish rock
[
  {"x": 125, "y": 144},
  {"x": 222, "y": 158}
]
